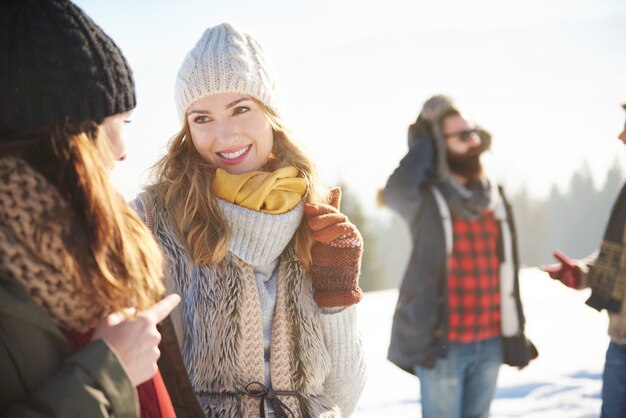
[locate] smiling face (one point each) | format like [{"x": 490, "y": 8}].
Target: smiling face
[{"x": 231, "y": 132}]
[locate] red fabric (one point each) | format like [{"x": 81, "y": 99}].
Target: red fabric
[
  {"x": 154, "y": 400},
  {"x": 165, "y": 403},
  {"x": 474, "y": 280},
  {"x": 77, "y": 340}
]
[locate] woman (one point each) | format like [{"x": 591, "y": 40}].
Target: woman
[
  {"x": 73, "y": 256},
  {"x": 267, "y": 270}
]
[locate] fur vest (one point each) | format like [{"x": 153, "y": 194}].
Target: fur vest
[{"x": 223, "y": 350}]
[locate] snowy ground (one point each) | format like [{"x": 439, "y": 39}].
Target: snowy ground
[{"x": 564, "y": 382}]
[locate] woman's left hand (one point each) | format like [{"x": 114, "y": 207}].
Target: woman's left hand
[{"x": 336, "y": 254}]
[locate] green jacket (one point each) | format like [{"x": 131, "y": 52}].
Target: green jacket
[{"x": 41, "y": 377}]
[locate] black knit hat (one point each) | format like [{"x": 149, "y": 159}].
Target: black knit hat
[{"x": 56, "y": 64}]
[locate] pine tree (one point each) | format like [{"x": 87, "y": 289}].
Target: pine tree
[
  {"x": 371, "y": 277},
  {"x": 572, "y": 221}
]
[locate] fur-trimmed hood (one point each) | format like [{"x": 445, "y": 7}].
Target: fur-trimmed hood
[{"x": 427, "y": 127}]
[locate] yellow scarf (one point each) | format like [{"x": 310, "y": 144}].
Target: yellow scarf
[{"x": 274, "y": 193}]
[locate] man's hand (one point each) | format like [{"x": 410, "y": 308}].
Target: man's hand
[{"x": 566, "y": 271}]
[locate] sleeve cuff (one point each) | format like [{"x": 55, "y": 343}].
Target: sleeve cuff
[{"x": 100, "y": 362}]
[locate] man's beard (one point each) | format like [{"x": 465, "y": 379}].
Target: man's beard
[{"x": 466, "y": 165}]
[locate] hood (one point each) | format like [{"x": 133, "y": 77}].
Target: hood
[{"x": 427, "y": 127}]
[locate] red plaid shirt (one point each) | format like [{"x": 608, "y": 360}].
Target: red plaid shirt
[{"x": 474, "y": 280}]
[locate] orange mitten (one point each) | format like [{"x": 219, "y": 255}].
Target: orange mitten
[{"x": 336, "y": 254}]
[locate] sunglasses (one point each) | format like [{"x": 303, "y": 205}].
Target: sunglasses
[{"x": 464, "y": 135}]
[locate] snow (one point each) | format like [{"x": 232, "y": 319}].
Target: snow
[{"x": 564, "y": 382}]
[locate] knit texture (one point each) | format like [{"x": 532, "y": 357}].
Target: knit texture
[
  {"x": 225, "y": 60},
  {"x": 335, "y": 255},
  {"x": 274, "y": 193},
  {"x": 607, "y": 276},
  {"x": 34, "y": 220},
  {"x": 258, "y": 239},
  {"x": 347, "y": 378},
  {"x": 221, "y": 329},
  {"x": 469, "y": 202},
  {"x": 56, "y": 64},
  {"x": 252, "y": 364},
  {"x": 267, "y": 286}
]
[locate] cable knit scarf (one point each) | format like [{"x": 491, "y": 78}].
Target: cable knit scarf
[
  {"x": 221, "y": 328},
  {"x": 33, "y": 219},
  {"x": 469, "y": 202},
  {"x": 273, "y": 193}
]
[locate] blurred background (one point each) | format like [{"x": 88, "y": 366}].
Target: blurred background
[{"x": 545, "y": 77}]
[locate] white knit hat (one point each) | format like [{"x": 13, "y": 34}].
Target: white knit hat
[{"x": 225, "y": 60}]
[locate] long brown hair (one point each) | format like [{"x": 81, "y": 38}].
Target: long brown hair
[
  {"x": 117, "y": 259},
  {"x": 182, "y": 181}
]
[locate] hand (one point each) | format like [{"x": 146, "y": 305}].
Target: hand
[
  {"x": 336, "y": 254},
  {"x": 420, "y": 130},
  {"x": 136, "y": 341},
  {"x": 566, "y": 271},
  {"x": 330, "y": 226}
]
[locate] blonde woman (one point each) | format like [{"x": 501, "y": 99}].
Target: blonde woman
[
  {"x": 266, "y": 265},
  {"x": 73, "y": 256}
]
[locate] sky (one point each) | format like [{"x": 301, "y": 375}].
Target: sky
[
  {"x": 545, "y": 77},
  {"x": 565, "y": 381}
]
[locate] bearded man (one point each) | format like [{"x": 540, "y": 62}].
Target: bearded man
[{"x": 459, "y": 314}]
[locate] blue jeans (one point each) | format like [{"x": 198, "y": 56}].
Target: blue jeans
[
  {"x": 614, "y": 382},
  {"x": 463, "y": 384}
]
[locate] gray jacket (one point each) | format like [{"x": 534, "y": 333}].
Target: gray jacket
[{"x": 420, "y": 324}]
